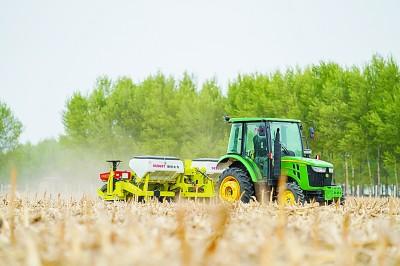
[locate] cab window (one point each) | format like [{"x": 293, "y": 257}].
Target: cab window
[{"x": 235, "y": 139}]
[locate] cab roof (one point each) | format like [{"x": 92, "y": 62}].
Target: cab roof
[{"x": 255, "y": 119}]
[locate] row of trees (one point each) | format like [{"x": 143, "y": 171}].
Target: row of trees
[
  {"x": 355, "y": 112},
  {"x": 157, "y": 116}
]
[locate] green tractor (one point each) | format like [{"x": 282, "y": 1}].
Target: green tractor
[{"x": 264, "y": 151}]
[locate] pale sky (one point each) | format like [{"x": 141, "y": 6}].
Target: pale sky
[{"x": 49, "y": 49}]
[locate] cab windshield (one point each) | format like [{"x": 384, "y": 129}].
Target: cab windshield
[{"x": 290, "y": 136}]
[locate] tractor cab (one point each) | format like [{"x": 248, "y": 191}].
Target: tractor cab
[
  {"x": 264, "y": 150},
  {"x": 255, "y": 140}
]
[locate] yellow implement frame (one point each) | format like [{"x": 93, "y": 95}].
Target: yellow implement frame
[{"x": 193, "y": 183}]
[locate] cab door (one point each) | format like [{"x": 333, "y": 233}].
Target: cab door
[
  {"x": 255, "y": 145},
  {"x": 235, "y": 139}
]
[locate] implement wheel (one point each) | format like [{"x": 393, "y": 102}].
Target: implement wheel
[
  {"x": 292, "y": 194},
  {"x": 234, "y": 184}
]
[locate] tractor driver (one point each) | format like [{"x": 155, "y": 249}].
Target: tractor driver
[{"x": 260, "y": 149}]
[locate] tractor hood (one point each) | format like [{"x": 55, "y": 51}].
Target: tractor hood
[{"x": 307, "y": 161}]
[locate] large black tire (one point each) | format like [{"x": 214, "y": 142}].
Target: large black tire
[
  {"x": 246, "y": 185},
  {"x": 297, "y": 191}
]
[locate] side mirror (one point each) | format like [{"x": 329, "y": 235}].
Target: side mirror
[
  {"x": 226, "y": 118},
  {"x": 312, "y": 133}
]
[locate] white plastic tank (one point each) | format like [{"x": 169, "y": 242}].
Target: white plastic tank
[
  {"x": 159, "y": 168},
  {"x": 210, "y": 165}
]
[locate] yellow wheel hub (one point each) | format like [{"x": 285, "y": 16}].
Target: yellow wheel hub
[
  {"x": 229, "y": 189},
  {"x": 288, "y": 198}
]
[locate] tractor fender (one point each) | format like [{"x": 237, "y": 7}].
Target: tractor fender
[{"x": 228, "y": 159}]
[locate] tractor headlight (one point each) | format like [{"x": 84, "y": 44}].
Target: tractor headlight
[
  {"x": 331, "y": 170},
  {"x": 318, "y": 169}
]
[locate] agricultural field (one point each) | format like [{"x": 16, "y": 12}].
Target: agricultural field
[{"x": 43, "y": 229}]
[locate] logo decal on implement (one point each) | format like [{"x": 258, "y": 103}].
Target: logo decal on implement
[{"x": 157, "y": 165}]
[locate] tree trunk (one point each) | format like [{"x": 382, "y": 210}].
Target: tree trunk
[
  {"x": 352, "y": 176},
  {"x": 370, "y": 172},
  {"x": 395, "y": 175},
  {"x": 347, "y": 174},
  {"x": 379, "y": 171},
  {"x": 360, "y": 172}
]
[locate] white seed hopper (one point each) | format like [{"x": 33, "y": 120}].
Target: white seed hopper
[
  {"x": 210, "y": 165},
  {"x": 159, "y": 168}
]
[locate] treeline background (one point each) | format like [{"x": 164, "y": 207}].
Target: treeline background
[{"x": 355, "y": 112}]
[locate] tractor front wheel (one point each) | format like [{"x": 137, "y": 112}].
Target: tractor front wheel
[
  {"x": 235, "y": 184},
  {"x": 292, "y": 194}
]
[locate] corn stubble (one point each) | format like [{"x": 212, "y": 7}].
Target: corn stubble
[{"x": 53, "y": 230}]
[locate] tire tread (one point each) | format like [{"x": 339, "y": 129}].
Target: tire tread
[{"x": 246, "y": 185}]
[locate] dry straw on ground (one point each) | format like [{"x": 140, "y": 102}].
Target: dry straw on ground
[{"x": 51, "y": 230}]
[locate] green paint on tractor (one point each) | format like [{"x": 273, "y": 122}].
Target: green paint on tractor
[{"x": 265, "y": 150}]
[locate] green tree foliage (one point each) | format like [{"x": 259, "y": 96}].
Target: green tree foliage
[
  {"x": 10, "y": 129},
  {"x": 156, "y": 116}
]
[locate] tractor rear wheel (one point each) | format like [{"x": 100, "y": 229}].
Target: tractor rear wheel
[
  {"x": 292, "y": 194},
  {"x": 235, "y": 184}
]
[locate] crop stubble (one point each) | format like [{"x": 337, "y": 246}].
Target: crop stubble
[{"x": 51, "y": 230}]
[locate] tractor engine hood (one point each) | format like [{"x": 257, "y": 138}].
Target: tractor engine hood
[{"x": 307, "y": 161}]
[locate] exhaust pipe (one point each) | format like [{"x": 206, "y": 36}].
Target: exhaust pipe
[{"x": 277, "y": 155}]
